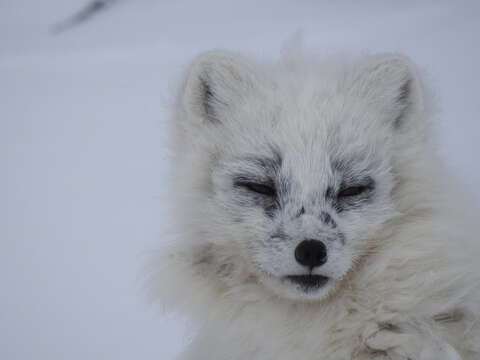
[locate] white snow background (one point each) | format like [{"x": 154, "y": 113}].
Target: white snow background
[{"x": 83, "y": 157}]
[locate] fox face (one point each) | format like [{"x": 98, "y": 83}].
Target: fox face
[{"x": 288, "y": 172}]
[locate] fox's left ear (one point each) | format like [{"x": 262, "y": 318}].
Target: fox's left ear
[
  {"x": 390, "y": 83},
  {"x": 217, "y": 83}
]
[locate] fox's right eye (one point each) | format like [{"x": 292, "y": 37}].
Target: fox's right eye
[{"x": 259, "y": 188}]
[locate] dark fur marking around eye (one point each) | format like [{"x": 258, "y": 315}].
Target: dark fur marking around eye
[
  {"x": 272, "y": 164},
  {"x": 271, "y": 210},
  {"x": 367, "y": 183},
  {"x": 350, "y": 191},
  {"x": 343, "y": 199},
  {"x": 266, "y": 189},
  {"x": 330, "y": 193},
  {"x": 267, "y": 166},
  {"x": 350, "y": 204},
  {"x": 265, "y": 186},
  {"x": 260, "y": 195}
]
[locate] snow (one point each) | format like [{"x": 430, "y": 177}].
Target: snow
[{"x": 82, "y": 135}]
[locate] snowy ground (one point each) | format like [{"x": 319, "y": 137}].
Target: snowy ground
[{"x": 82, "y": 138}]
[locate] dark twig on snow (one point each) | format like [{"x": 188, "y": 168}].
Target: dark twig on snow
[{"x": 85, "y": 14}]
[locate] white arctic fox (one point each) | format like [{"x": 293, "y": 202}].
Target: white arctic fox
[{"x": 315, "y": 221}]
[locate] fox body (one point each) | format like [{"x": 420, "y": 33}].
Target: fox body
[{"x": 314, "y": 218}]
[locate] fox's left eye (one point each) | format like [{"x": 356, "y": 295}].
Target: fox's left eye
[
  {"x": 352, "y": 191},
  {"x": 259, "y": 188}
]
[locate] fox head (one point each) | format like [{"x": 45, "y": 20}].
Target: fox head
[{"x": 286, "y": 175}]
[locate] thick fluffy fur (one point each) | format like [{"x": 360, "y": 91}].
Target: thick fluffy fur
[{"x": 402, "y": 269}]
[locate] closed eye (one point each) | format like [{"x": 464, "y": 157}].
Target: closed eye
[
  {"x": 365, "y": 187},
  {"x": 259, "y": 188},
  {"x": 352, "y": 191}
]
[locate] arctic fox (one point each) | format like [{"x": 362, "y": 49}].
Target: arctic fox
[{"x": 314, "y": 218}]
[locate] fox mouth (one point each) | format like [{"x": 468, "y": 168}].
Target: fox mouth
[{"x": 308, "y": 282}]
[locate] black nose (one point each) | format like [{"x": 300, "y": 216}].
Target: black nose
[{"x": 311, "y": 253}]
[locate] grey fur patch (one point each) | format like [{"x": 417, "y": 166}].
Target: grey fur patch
[
  {"x": 277, "y": 240},
  {"x": 403, "y": 101},
  {"x": 209, "y": 100},
  {"x": 203, "y": 256},
  {"x": 271, "y": 165},
  {"x": 404, "y": 94},
  {"x": 328, "y": 220},
  {"x": 330, "y": 194},
  {"x": 279, "y": 234},
  {"x": 225, "y": 270},
  {"x": 301, "y": 212},
  {"x": 271, "y": 210},
  {"x": 284, "y": 186},
  {"x": 264, "y": 168}
]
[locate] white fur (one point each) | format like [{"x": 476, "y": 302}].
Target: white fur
[{"x": 404, "y": 285}]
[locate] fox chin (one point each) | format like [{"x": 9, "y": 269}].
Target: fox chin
[{"x": 313, "y": 218}]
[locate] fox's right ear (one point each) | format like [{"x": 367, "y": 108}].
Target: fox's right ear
[
  {"x": 390, "y": 82},
  {"x": 216, "y": 83}
]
